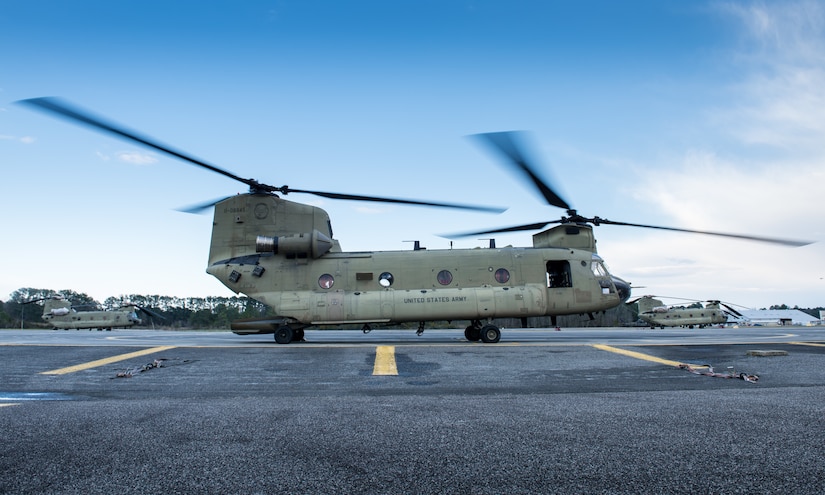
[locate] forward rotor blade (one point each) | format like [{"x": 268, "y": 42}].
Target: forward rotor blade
[
  {"x": 517, "y": 228},
  {"x": 150, "y": 312},
  {"x": 785, "y": 242},
  {"x": 65, "y": 110},
  {"x": 506, "y": 144},
  {"x": 376, "y": 199},
  {"x": 737, "y": 313}
]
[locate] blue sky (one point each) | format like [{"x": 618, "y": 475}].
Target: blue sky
[{"x": 699, "y": 115}]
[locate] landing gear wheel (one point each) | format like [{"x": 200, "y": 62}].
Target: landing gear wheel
[
  {"x": 298, "y": 335},
  {"x": 472, "y": 333},
  {"x": 490, "y": 334},
  {"x": 283, "y": 335}
]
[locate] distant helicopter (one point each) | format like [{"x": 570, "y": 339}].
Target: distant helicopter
[
  {"x": 60, "y": 314},
  {"x": 656, "y": 314},
  {"x": 284, "y": 255}
]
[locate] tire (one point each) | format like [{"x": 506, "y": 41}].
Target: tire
[
  {"x": 490, "y": 334},
  {"x": 472, "y": 333},
  {"x": 283, "y": 335}
]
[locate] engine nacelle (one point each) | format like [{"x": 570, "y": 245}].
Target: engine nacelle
[{"x": 313, "y": 244}]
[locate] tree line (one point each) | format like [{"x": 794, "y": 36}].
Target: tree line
[
  {"x": 168, "y": 312},
  {"x": 215, "y": 312}
]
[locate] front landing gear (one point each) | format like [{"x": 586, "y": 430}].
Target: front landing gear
[{"x": 489, "y": 333}]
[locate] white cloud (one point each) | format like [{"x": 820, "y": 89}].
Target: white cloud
[
  {"x": 24, "y": 139},
  {"x": 782, "y": 97},
  {"x": 136, "y": 157},
  {"x": 766, "y": 179}
]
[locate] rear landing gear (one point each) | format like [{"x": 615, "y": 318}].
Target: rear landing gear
[{"x": 284, "y": 334}]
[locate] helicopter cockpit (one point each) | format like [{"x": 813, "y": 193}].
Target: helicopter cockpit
[{"x": 610, "y": 284}]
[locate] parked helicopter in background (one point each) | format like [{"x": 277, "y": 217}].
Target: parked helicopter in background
[
  {"x": 656, "y": 314},
  {"x": 283, "y": 254},
  {"x": 59, "y": 313}
]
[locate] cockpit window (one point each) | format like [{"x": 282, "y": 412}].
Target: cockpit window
[{"x": 602, "y": 275}]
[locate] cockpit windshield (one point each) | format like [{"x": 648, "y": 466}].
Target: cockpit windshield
[{"x": 598, "y": 269}]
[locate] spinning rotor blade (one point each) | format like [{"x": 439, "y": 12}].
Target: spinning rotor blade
[
  {"x": 57, "y": 107},
  {"x": 786, "y": 242},
  {"x": 201, "y": 207},
  {"x": 731, "y": 310},
  {"x": 517, "y": 228},
  {"x": 146, "y": 310},
  {"x": 506, "y": 144},
  {"x": 356, "y": 197},
  {"x": 603, "y": 221}
]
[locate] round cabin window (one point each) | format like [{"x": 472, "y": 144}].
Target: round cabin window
[
  {"x": 326, "y": 281},
  {"x": 385, "y": 279},
  {"x": 444, "y": 277}
]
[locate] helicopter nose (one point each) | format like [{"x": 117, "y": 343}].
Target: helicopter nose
[{"x": 622, "y": 288}]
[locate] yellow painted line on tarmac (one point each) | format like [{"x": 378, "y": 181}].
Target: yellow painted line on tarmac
[
  {"x": 812, "y": 344},
  {"x": 10, "y": 404},
  {"x": 385, "y": 361},
  {"x": 109, "y": 360},
  {"x": 637, "y": 355}
]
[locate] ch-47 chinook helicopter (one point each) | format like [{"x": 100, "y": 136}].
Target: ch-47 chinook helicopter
[
  {"x": 59, "y": 313},
  {"x": 283, "y": 254},
  {"x": 656, "y": 314}
]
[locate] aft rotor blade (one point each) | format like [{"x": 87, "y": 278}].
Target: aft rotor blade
[
  {"x": 56, "y": 106},
  {"x": 201, "y": 207},
  {"x": 785, "y": 242},
  {"x": 506, "y": 144},
  {"x": 376, "y": 199}
]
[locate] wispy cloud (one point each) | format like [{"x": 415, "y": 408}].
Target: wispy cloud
[
  {"x": 782, "y": 96},
  {"x": 21, "y": 139},
  {"x": 136, "y": 158},
  {"x": 763, "y": 178}
]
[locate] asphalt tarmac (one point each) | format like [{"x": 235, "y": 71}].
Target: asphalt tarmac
[{"x": 577, "y": 411}]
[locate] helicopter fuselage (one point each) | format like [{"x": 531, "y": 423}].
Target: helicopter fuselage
[
  {"x": 283, "y": 255},
  {"x": 60, "y": 315},
  {"x": 655, "y": 314},
  {"x": 422, "y": 285}
]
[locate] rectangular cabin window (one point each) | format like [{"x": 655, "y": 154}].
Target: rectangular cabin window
[{"x": 558, "y": 274}]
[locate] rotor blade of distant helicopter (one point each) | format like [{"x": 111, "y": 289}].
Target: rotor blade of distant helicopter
[
  {"x": 150, "y": 312},
  {"x": 737, "y": 313},
  {"x": 506, "y": 143}
]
